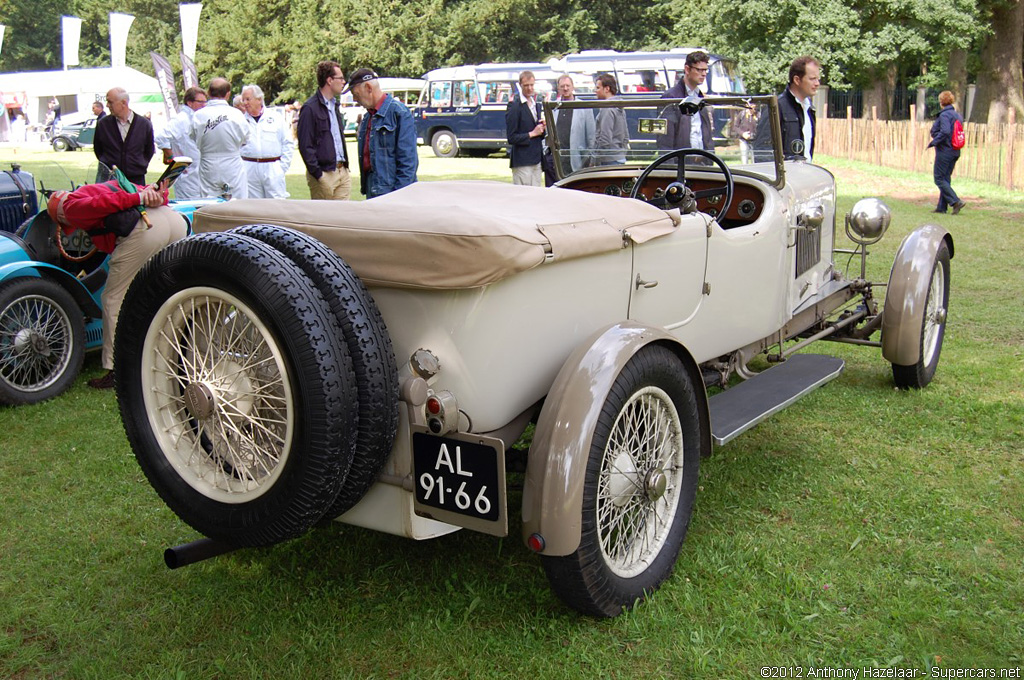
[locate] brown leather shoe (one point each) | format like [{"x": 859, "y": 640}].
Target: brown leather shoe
[
  {"x": 957, "y": 207},
  {"x": 104, "y": 382}
]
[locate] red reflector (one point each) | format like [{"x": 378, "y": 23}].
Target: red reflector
[
  {"x": 535, "y": 542},
  {"x": 434, "y": 405}
]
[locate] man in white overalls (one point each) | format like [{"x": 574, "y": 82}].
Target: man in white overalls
[
  {"x": 220, "y": 132},
  {"x": 268, "y": 155},
  {"x": 176, "y": 140}
]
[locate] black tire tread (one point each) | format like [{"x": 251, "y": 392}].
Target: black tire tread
[
  {"x": 581, "y": 579},
  {"x": 919, "y": 375},
  {"x": 369, "y": 343},
  {"x": 16, "y": 288},
  {"x": 306, "y": 330}
]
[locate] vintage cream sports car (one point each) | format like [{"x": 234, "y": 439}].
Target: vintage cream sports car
[{"x": 374, "y": 361}]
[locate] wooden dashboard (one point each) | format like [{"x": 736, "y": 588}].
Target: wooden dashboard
[{"x": 746, "y": 207}]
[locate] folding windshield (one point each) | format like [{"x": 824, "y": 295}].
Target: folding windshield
[{"x": 614, "y": 133}]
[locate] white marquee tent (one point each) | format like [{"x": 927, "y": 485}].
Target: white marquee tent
[{"x": 76, "y": 89}]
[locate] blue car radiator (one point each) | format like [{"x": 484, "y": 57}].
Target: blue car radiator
[{"x": 17, "y": 198}]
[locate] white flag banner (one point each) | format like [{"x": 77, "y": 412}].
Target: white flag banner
[
  {"x": 190, "y": 27},
  {"x": 71, "y": 33},
  {"x": 120, "y": 24},
  {"x": 2, "y": 29}
]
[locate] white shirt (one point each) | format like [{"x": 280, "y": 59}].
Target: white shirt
[
  {"x": 531, "y": 102},
  {"x": 124, "y": 125},
  {"x": 808, "y": 131},
  {"x": 696, "y": 132}
]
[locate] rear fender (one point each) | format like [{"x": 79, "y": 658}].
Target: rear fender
[
  {"x": 909, "y": 279},
  {"x": 85, "y": 300},
  {"x": 556, "y": 468}
]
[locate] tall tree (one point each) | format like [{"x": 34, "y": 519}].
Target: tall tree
[{"x": 1000, "y": 79}]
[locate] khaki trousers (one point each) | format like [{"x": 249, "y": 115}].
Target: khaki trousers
[
  {"x": 528, "y": 175},
  {"x": 132, "y": 251},
  {"x": 335, "y": 185}
]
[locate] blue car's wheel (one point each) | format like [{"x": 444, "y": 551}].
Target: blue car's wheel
[{"x": 42, "y": 340}]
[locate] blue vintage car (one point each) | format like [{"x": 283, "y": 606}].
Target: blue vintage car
[{"x": 50, "y": 312}]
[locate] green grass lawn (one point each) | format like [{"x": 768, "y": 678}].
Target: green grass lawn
[{"x": 864, "y": 526}]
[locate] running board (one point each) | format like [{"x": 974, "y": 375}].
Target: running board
[{"x": 739, "y": 408}]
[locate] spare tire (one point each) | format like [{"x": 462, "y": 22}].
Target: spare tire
[
  {"x": 235, "y": 389},
  {"x": 368, "y": 342}
]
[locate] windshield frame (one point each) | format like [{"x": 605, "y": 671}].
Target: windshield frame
[{"x": 746, "y": 101}]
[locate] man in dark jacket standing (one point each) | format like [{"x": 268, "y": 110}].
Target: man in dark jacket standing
[
  {"x": 688, "y": 131},
  {"x": 796, "y": 108},
  {"x": 796, "y": 114},
  {"x": 945, "y": 155},
  {"x": 524, "y": 129},
  {"x": 124, "y": 139},
  {"x": 321, "y": 137}
]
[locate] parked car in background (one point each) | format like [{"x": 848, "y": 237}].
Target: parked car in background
[
  {"x": 50, "y": 290},
  {"x": 71, "y": 136},
  {"x": 463, "y": 107},
  {"x": 375, "y": 362}
]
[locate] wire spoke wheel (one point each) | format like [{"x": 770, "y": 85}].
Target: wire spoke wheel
[
  {"x": 934, "y": 315},
  {"x": 218, "y": 393},
  {"x": 41, "y": 341},
  {"x": 639, "y": 485},
  {"x": 235, "y": 388},
  {"x": 932, "y": 329}
]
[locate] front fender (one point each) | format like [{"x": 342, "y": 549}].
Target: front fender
[
  {"x": 905, "y": 297},
  {"x": 27, "y": 268},
  {"x": 557, "y": 463}
]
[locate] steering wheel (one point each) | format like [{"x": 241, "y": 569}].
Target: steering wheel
[
  {"x": 76, "y": 246},
  {"x": 678, "y": 194}
]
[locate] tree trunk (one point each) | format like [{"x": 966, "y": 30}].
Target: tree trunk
[
  {"x": 956, "y": 74},
  {"x": 875, "y": 96},
  {"x": 1001, "y": 80}
]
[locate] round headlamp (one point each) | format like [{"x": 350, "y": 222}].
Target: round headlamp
[{"x": 868, "y": 221}]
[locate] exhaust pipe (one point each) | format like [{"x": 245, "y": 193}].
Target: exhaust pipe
[{"x": 196, "y": 551}]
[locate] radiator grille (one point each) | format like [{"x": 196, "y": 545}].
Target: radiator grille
[{"x": 808, "y": 249}]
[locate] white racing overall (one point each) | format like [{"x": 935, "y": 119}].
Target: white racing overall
[
  {"x": 176, "y": 136},
  {"x": 220, "y": 131},
  {"x": 268, "y": 155}
]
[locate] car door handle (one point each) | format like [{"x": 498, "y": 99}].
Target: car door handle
[{"x": 640, "y": 283}]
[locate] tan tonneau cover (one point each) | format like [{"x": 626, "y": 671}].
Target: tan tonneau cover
[{"x": 454, "y": 234}]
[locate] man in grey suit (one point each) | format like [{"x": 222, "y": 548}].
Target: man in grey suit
[{"x": 574, "y": 129}]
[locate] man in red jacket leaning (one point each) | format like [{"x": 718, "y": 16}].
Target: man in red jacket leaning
[{"x": 111, "y": 216}]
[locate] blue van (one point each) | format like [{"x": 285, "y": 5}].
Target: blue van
[
  {"x": 463, "y": 107},
  {"x": 644, "y": 73}
]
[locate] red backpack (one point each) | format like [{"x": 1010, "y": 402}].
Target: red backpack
[{"x": 958, "y": 138}]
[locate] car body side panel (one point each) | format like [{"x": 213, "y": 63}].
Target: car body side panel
[
  {"x": 903, "y": 314},
  {"x": 668, "y": 275},
  {"x": 499, "y": 346},
  {"x": 808, "y": 186},
  {"x": 746, "y": 270}
]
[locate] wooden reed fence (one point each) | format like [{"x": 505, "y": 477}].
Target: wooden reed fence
[{"x": 993, "y": 153}]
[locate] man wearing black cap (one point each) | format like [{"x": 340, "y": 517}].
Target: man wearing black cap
[
  {"x": 387, "y": 137},
  {"x": 321, "y": 137}
]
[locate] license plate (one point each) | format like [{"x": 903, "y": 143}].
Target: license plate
[{"x": 460, "y": 479}]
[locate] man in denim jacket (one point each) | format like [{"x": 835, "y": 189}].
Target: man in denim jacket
[{"x": 387, "y": 138}]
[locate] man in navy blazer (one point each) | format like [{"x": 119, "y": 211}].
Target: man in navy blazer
[
  {"x": 688, "y": 131},
  {"x": 524, "y": 129}
]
